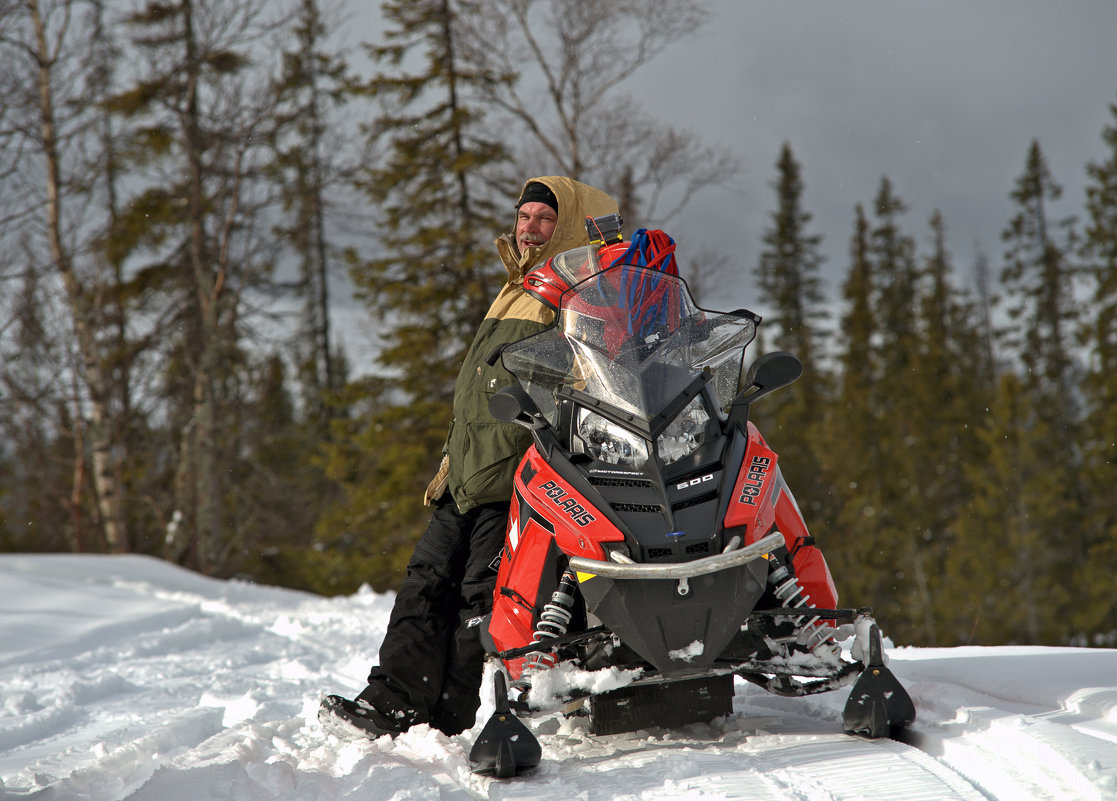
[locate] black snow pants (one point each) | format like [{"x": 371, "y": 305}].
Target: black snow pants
[{"x": 431, "y": 663}]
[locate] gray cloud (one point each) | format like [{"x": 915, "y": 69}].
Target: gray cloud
[{"x": 942, "y": 97}]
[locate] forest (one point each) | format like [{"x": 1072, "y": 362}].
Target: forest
[{"x": 183, "y": 182}]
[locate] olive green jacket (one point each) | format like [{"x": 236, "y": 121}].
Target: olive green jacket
[{"x": 482, "y": 452}]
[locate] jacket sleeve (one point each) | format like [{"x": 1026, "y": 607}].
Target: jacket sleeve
[{"x": 439, "y": 483}]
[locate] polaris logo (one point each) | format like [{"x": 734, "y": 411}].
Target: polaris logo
[
  {"x": 694, "y": 482},
  {"x": 560, "y": 498},
  {"x": 754, "y": 480}
]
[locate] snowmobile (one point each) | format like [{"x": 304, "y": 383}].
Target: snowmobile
[{"x": 653, "y": 549}]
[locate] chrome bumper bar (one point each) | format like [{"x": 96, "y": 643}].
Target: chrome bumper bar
[{"x": 680, "y": 570}]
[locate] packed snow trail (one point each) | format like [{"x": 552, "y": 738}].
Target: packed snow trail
[{"x": 128, "y": 678}]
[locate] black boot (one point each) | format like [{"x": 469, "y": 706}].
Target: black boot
[{"x": 364, "y": 715}]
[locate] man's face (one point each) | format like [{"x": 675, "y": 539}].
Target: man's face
[{"x": 535, "y": 225}]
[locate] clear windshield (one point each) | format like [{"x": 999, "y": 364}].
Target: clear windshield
[{"x": 633, "y": 338}]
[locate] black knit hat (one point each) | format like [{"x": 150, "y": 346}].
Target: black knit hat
[{"x": 536, "y": 192}]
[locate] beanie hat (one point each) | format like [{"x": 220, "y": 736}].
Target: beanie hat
[{"x": 536, "y": 192}]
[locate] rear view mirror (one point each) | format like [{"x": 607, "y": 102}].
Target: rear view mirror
[
  {"x": 768, "y": 373},
  {"x": 772, "y": 371},
  {"x": 511, "y": 404}
]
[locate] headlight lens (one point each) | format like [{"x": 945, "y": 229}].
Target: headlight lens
[
  {"x": 610, "y": 443},
  {"x": 685, "y": 434}
]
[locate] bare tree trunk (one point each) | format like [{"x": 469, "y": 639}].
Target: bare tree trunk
[
  {"x": 922, "y": 591},
  {"x": 207, "y": 288},
  {"x": 180, "y": 528},
  {"x": 319, "y": 272},
  {"x": 76, "y": 535},
  {"x": 82, "y": 311}
]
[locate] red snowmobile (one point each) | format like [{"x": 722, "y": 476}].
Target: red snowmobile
[{"x": 653, "y": 550}]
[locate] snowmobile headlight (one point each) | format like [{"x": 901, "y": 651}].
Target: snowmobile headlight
[
  {"x": 608, "y": 442},
  {"x": 685, "y": 434}
]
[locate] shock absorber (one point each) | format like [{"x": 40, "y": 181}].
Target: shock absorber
[
  {"x": 789, "y": 592},
  {"x": 553, "y": 622}
]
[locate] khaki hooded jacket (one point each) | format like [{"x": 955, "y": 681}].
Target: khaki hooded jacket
[{"x": 482, "y": 453}]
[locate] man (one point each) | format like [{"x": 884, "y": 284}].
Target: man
[{"x": 431, "y": 663}]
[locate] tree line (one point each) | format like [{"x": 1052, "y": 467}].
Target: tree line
[
  {"x": 954, "y": 447},
  {"x": 180, "y": 180}
]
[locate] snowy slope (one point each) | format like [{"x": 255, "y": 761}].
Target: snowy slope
[{"x": 127, "y": 678}]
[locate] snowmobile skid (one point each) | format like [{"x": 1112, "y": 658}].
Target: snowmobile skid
[{"x": 654, "y": 550}]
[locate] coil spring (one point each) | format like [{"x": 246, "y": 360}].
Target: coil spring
[
  {"x": 790, "y": 593},
  {"x": 553, "y": 622}
]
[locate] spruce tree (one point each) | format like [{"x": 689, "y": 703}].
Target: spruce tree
[
  {"x": 788, "y": 272},
  {"x": 36, "y": 428},
  {"x": 893, "y": 255},
  {"x": 1025, "y": 474},
  {"x": 1039, "y": 279},
  {"x": 1007, "y": 579},
  {"x": 986, "y": 348},
  {"x": 789, "y": 283},
  {"x": 908, "y": 598},
  {"x": 849, "y": 457},
  {"x": 875, "y": 459},
  {"x": 951, "y": 392},
  {"x": 1099, "y": 438},
  {"x": 279, "y": 487},
  {"x": 441, "y": 201},
  {"x": 858, "y": 322}
]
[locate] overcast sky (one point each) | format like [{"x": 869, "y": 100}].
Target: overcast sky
[{"x": 943, "y": 97}]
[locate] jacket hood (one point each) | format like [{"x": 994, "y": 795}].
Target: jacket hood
[{"x": 576, "y": 201}]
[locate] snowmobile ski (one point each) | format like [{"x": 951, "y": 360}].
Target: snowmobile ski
[
  {"x": 878, "y": 703},
  {"x": 505, "y": 747}
]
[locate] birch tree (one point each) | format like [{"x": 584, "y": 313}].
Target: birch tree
[{"x": 58, "y": 68}]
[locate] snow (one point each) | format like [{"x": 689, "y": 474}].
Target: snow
[
  {"x": 128, "y": 678},
  {"x": 692, "y": 651},
  {"x": 548, "y": 687}
]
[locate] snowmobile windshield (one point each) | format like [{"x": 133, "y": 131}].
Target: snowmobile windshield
[{"x": 632, "y": 338}]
